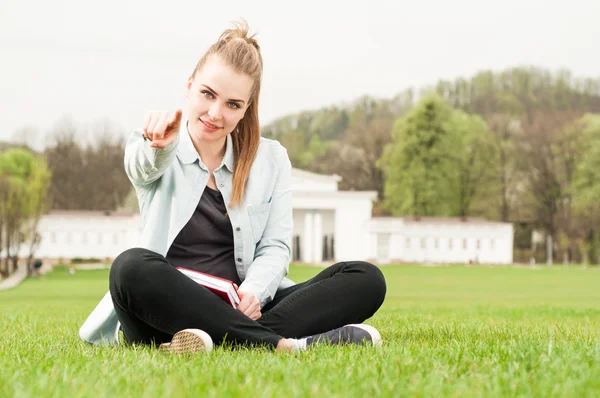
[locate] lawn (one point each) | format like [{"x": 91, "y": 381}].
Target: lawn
[{"x": 450, "y": 331}]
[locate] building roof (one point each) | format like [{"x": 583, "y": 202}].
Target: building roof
[
  {"x": 90, "y": 213},
  {"x": 315, "y": 176},
  {"x": 443, "y": 220}
]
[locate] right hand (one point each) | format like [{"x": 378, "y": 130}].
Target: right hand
[
  {"x": 249, "y": 305},
  {"x": 162, "y": 127}
]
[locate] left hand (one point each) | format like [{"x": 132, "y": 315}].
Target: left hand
[{"x": 249, "y": 305}]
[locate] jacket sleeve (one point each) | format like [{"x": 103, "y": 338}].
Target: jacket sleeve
[
  {"x": 272, "y": 255},
  {"x": 144, "y": 164}
]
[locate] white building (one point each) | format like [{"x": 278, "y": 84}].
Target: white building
[
  {"x": 329, "y": 226},
  {"x": 440, "y": 240},
  {"x": 86, "y": 234}
]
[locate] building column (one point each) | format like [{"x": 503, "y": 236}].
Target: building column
[
  {"x": 317, "y": 238},
  {"x": 307, "y": 239}
]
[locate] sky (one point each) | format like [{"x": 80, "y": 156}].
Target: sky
[{"x": 114, "y": 60}]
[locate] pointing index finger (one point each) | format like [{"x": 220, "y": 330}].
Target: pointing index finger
[{"x": 176, "y": 117}]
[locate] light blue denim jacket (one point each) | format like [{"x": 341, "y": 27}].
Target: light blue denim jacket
[{"x": 169, "y": 183}]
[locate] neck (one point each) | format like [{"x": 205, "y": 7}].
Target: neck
[{"x": 211, "y": 152}]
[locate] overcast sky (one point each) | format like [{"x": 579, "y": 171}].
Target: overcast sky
[{"x": 117, "y": 59}]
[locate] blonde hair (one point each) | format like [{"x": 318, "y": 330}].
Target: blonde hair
[{"x": 242, "y": 53}]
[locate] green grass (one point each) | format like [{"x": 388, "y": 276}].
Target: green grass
[{"x": 451, "y": 331}]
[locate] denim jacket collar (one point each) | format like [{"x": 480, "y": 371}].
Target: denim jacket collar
[{"x": 187, "y": 152}]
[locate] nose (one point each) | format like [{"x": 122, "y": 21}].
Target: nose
[{"x": 215, "y": 111}]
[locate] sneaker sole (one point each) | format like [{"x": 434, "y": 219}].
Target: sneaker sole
[
  {"x": 188, "y": 341},
  {"x": 374, "y": 333}
]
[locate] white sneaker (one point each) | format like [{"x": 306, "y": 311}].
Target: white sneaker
[
  {"x": 188, "y": 341},
  {"x": 357, "y": 333}
]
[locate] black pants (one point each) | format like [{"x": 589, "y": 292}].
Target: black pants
[{"x": 153, "y": 301}]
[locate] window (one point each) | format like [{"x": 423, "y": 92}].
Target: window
[
  {"x": 478, "y": 244},
  {"x": 99, "y": 238},
  {"x": 297, "y": 254},
  {"x": 328, "y": 247},
  {"x": 52, "y": 237},
  {"x": 423, "y": 243},
  {"x": 68, "y": 240},
  {"x": 84, "y": 238},
  {"x": 383, "y": 246},
  {"x": 464, "y": 243},
  {"x": 492, "y": 244},
  {"x": 436, "y": 243},
  {"x": 408, "y": 243},
  {"x": 450, "y": 243},
  {"x": 116, "y": 238}
]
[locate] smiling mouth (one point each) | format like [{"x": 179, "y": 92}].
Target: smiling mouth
[{"x": 209, "y": 125}]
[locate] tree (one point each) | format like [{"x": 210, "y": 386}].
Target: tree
[
  {"x": 586, "y": 190},
  {"x": 472, "y": 159},
  {"x": 106, "y": 184},
  {"x": 66, "y": 159},
  {"x": 505, "y": 130},
  {"x": 38, "y": 203},
  {"x": 355, "y": 158},
  {"x": 417, "y": 161},
  {"x": 347, "y": 161},
  {"x": 371, "y": 135},
  {"x": 316, "y": 148},
  {"x": 549, "y": 149},
  {"x": 295, "y": 143},
  {"x": 24, "y": 182},
  {"x": 87, "y": 176},
  {"x": 12, "y": 192},
  {"x": 439, "y": 161},
  {"x": 587, "y": 172}
]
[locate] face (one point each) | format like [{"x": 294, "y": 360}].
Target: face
[{"x": 217, "y": 100}]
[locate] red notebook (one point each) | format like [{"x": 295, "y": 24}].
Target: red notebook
[{"x": 223, "y": 288}]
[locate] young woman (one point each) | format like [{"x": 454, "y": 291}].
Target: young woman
[{"x": 215, "y": 197}]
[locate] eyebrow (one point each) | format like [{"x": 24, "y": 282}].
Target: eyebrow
[{"x": 215, "y": 93}]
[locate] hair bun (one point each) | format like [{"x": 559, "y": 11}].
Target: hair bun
[{"x": 239, "y": 31}]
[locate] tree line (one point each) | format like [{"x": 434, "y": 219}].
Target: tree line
[{"x": 519, "y": 145}]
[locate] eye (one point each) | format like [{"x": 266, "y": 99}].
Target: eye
[
  {"x": 207, "y": 94},
  {"x": 234, "y": 105}
]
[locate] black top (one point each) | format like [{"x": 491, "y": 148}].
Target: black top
[{"x": 205, "y": 244}]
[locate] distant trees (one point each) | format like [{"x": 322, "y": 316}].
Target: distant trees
[
  {"x": 72, "y": 173},
  {"x": 519, "y": 145},
  {"x": 87, "y": 174},
  {"x": 351, "y": 139},
  {"x": 24, "y": 185}
]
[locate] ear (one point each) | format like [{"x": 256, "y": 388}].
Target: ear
[{"x": 189, "y": 85}]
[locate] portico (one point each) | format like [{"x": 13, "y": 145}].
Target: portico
[{"x": 329, "y": 225}]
